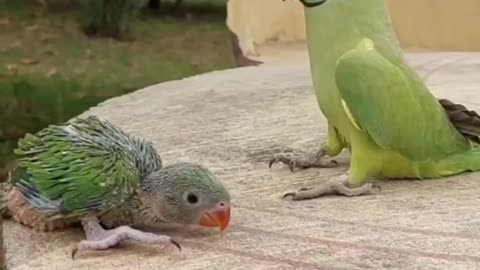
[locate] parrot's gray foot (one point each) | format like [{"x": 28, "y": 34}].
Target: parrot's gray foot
[
  {"x": 339, "y": 185},
  {"x": 100, "y": 239},
  {"x": 310, "y": 160}
]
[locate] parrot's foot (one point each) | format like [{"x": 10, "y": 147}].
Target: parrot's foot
[
  {"x": 310, "y": 160},
  {"x": 339, "y": 185},
  {"x": 99, "y": 238}
]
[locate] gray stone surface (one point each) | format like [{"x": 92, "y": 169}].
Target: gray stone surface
[{"x": 233, "y": 121}]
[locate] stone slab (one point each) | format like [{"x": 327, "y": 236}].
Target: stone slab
[{"x": 233, "y": 121}]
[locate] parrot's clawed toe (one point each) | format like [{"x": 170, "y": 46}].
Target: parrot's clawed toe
[
  {"x": 339, "y": 185},
  {"x": 302, "y": 194},
  {"x": 289, "y": 194},
  {"x": 175, "y": 243},
  {"x": 101, "y": 239},
  {"x": 74, "y": 252},
  {"x": 308, "y": 161},
  {"x": 377, "y": 186},
  {"x": 113, "y": 237},
  {"x": 286, "y": 159}
]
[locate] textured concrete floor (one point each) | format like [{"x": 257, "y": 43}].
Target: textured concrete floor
[{"x": 233, "y": 121}]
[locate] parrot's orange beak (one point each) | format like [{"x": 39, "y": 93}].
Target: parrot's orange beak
[{"x": 217, "y": 217}]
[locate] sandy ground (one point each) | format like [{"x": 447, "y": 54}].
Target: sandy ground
[{"x": 233, "y": 121}]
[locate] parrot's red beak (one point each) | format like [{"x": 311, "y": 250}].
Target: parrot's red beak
[{"x": 217, "y": 217}]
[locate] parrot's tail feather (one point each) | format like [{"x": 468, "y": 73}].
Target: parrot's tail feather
[
  {"x": 466, "y": 121},
  {"x": 5, "y": 188},
  {"x": 36, "y": 200},
  {"x": 33, "y": 196},
  {"x": 471, "y": 159}
]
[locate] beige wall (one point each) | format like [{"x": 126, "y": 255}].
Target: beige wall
[
  {"x": 437, "y": 24},
  {"x": 420, "y": 24},
  {"x": 258, "y": 21}
]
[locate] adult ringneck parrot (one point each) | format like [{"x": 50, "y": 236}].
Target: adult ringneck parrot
[{"x": 376, "y": 105}]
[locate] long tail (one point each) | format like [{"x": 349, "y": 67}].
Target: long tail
[{"x": 465, "y": 120}]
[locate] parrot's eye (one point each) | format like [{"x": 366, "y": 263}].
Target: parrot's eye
[{"x": 192, "y": 198}]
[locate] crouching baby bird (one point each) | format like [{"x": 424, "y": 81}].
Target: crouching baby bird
[
  {"x": 89, "y": 170},
  {"x": 377, "y": 107}
]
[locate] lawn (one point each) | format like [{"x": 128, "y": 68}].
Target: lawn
[{"x": 50, "y": 71}]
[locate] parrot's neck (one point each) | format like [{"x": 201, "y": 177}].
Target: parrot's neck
[
  {"x": 337, "y": 26},
  {"x": 142, "y": 209},
  {"x": 146, "y": 158}
]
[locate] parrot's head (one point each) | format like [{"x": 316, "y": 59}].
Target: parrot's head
[
  {"x": 188, "y": 193},
  {"x": 343, "y": 22}
]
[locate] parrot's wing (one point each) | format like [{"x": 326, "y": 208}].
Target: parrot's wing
[
  {"x": 394, "y": 107},
  {"x": 75, "y": 168}
]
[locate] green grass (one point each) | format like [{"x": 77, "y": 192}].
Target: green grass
[{"x": 50, "y": 71}]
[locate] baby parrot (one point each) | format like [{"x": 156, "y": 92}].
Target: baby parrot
[
  {"x": 89, "y": 170},
  {"x": 377, "y": 107}
]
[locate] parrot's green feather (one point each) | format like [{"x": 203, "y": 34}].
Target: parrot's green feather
[
  {"x": 465, "y": 120},
  {"x": 85, "y": 165},
  {"x": 370, "y": 84},
  {"x": 375, "y": 103}
]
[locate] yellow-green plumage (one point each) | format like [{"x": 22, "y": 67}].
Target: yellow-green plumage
[{"x": 376, "y": 105}]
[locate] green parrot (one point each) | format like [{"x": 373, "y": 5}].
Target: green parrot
[
  {"x": 377, "y": 107},
  {"x": 89, "y": 171}
]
